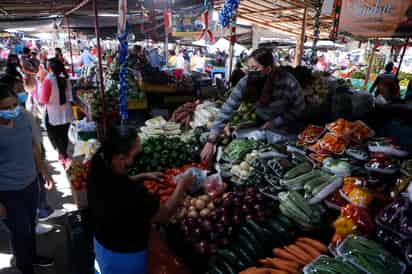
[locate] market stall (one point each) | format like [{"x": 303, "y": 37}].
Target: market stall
[{"x": 324, "y": 201}]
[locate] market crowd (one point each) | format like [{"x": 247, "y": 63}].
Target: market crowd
[{"x": 36, "y": 91}]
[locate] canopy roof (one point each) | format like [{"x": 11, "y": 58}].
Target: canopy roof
[{"x": 282, "y": 15}]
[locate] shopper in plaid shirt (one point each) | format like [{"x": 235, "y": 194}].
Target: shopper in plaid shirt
[{"x": 277, "y": 95}]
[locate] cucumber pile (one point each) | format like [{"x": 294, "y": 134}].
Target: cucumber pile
[
  {"x": 294, "y": 206},
  {"x": 357, "y": 255},
  {"x": 254, "y": 241}
]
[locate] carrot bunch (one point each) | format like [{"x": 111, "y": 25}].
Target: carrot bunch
[{"x": 292, "y": 258}]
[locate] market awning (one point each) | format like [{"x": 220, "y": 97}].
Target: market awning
[{"x": 282, "y": 15}]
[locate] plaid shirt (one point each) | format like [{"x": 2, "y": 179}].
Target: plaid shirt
[{"x": 286, "y": 107}]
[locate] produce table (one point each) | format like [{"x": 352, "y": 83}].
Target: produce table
[{"x": 287, "y": 202}]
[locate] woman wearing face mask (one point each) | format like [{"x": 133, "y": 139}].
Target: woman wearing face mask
[
  {"x": 121, "y": 208},
  {"x": 45, "y": 211},
  {"x": 278, "y": 99},
  {"x": 19, "y": 180},
  {"x": 57, "y": 95}
]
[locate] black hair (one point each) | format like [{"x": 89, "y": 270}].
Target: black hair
[
  {"x": 5, "y": 91},
  {"x": 10, "y": 81},
  {"x": 26, "y": 50},
  {"x": 238, "y": 65},
  {"x": 263, "y": 56},
  {"x": 389, "y": 67},
  {"x": 119, "y": 140},
  {"x": 58, "y": 50},
  {"x": 57, "y": 67}
]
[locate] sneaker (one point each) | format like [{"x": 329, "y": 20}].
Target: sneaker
[
  {"x": 57, "y": 213},
  {"x": 43, "y": 261},
  {"x": 43, "y": 229}
]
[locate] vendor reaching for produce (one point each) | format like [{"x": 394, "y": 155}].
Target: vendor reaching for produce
[
  {"x": 277, "y": 96},
  {"x": 121, "y": 208}
]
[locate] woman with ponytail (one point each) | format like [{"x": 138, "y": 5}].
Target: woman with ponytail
[{"x": 57, "y": 96}]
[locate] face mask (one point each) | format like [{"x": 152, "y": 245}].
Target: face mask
[
  {"x": 22, "y": 97},
  {"x": 256, "y": 76},
  {"x": 10, "y": 114}
]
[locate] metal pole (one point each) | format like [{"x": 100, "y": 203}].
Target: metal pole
[
  {"x": 403, "y": 55},
  {"x": 232, "y": 46},
  {"x": 99, "y": 62},
  {"x": 70, "y": 43},
  {"x": 166, "y": 47}
]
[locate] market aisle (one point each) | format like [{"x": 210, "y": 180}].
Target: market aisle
[{"x": 53, "y": 244}]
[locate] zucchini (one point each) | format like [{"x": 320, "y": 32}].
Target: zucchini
[
  {"x": 256, "y": 229},
  {"x": 231, "y": 259},
  {"x": 300, "y": 202},
  {"x": 299, "y": 181},
  {"x": 319, "y": 188},
  {"x": 226, "y": 267},
  {"x": 253, "y": 240},
  {"x": 273, "y": 238},
  {"x": 313, "y": 183},
  {"x": 243, "y": 256},
  {"x": 216, "y": 270},
  {"x": 244, "y": 242},
  {"x": 277, "y": 226},
  {"x": 298, "y": 170},
  {"x": 284, "y": 220}
]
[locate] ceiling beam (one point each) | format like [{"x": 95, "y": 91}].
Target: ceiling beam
[
  {"x": 270, "y": 10},
  {"x": 77, "y": 7}
]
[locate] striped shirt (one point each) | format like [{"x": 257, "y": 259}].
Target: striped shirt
[{"x": 287, "y": 104}]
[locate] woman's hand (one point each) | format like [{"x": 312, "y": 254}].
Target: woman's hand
[
  {"x": 207, "y": 154},
  {"x": 268, "y": 125},
  {"x": 48, "y": 182},
  {"x": 154, "y": 176}
]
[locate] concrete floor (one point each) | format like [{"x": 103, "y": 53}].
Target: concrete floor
[{"x": 53, "y": 244}]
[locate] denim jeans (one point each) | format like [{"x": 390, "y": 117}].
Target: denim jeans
[{"x": 21, "y": 208}]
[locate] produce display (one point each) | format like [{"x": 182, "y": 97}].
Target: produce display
[
  {"x": 245, "y": 114},
  {"x": 159, "y": 153},
  {"x": 209, "y": 224},
  {"x": 158, "y": 126},
  {"x": 77, "y": 174},
  {"x": 292, "y": 258},
  {"x": 317, "y": 204},
  {"x": 204, "y": 114},
  {"x": 184, "y": 114}
]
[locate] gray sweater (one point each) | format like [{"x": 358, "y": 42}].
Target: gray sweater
[{"x": 287, "y": 104}]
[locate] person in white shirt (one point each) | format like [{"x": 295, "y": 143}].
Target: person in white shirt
[
  {"x": 180, "y": 60},
  {"x": 200, "y": 62},
  {"x": 57, "y": 97}
]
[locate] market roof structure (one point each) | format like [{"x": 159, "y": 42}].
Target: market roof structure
[{"x": 282, "y": 15}]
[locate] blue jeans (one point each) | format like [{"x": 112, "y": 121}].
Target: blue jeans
[
  {"x": 44, "y": 209},
  {"x": 21, "y": 209},
  {"x": 109, "y": 262}
]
